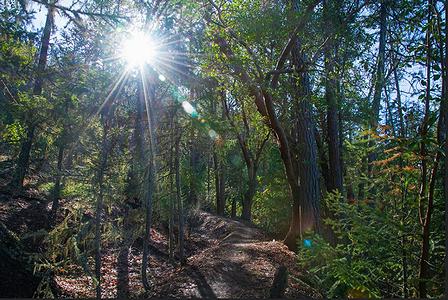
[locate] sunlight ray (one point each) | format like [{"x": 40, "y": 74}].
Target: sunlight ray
[
  {"x": 118, "y": 84},
  {"x": 174, "y": 63},
  {"x": 169, "y": 42},
  {"x": 164, "y": 64},
  {"x": 171, "y": 60},
  {"x": 185, "y": 54},
  {"x": 148, "y": 104},
  {"x": 112, "y": 58}
]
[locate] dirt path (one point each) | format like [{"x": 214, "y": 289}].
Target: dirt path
[
  {"x": 226, "y": 259},
  {"x": 241, "y": 263}
]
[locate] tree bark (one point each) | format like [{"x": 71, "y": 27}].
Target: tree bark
[
  {"x": 149, "y": 97},
  {"x": 246, "y": 213},
  {"x": 306, "y": 194},
  {"x": 379, "y": 81},
  {"x": 219, "y": 184},
  {"x": 25, "y": 150},
  {"x": 445, "y": 149},
  {"x": 323, "y": 162},
  {"x": 331, "y": 97},
  {"x": 56, "y": 194},
  {"x": 180, "y": 206},
  {"x": 123, "y": 258},
  {"x": 99, "y": 205},
  {"x": 423, "y": 197}
]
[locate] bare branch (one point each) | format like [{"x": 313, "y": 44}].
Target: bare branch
[
  {"x": 77, "y": 11},
  {"x": 287, "y": 49}
]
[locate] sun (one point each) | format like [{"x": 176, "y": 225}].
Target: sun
[{"x": 139, "y": 49}]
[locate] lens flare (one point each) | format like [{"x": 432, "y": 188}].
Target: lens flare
[
  {"x": 189, "y": 109},
  {"x": 212, "y": 134},
  {"x": 139, "y": 49},
  {"x": 307, "y": 243}
]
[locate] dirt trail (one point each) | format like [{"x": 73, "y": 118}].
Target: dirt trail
[
  {"x": 240, "y": 263},
  {"x": 226, "y": 259}
]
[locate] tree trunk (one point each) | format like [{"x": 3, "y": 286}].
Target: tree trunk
[
  {"x": 233, "y": 209},
  {"x": 24, "y": 156},
  {"x": 331, "y": 97},
  {"x": 171, "y": 188},
  {"x": 133, "y": 194},
  {"x": 194, "y": 160},
  {"x": 219, "y": 184},
  {"x": 445, "y": 148},
  {"x": 425, "y": 220},
  {"x": 306, "y": 194},
  {"x": 323, "y": 162},
  {"x": 149, "y": 97},
  {"x": 250, "y": 193},
  {"x": 99, "y": 207},
  {"x": 57, "y": 185},
  {"x": 402, "y": 129},
  {"x": 123, "y": 259},
  {"x": 379, "y": 81},
  {"x": 180, "y": 206},
  {"x": 308, "y": 204},
  {"x": 379, "y": 74}
]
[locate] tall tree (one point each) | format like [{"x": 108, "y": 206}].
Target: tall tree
[
  {"x": 379, "y": 77},
  {"x": 305, "y": 213},
  {"x": 25, "y": 150},
  {"x": 105, "y": 148},
  {"x": 445, "y": 148},
  {"x": 149, "y": 98},
  {"x": 330, "y": 24},
  {"x": 426, "y": 191},
  {"x": 251, "y": 153}
]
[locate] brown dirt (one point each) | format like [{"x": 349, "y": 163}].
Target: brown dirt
[
  {"x": 240, "y": 263},
  {"x": 231, "y": 260},
  {"x": 226, "y": 258}
]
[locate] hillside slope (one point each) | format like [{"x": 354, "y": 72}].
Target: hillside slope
[{"x": 226, "y": 258}]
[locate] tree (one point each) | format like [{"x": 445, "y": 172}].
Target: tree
[
  {"x": 331, "y": 96},
  {"x": 305, "y": 206},
  {"x": 251, "y": 150},
  {"x": 379, "y": 76},
  {"x": 24, "y": 156},
  {"x": 149, "y": 98}
]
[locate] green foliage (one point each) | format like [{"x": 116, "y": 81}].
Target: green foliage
[
  {"x": 13, "y": 133},
  {"x": 272, "y": 208},
  {"x": 74, "y": 189},
  {"x": 272, "y": 203},
  {"x": 46, "y": 187},
  {"x": 365, "y": 259}
]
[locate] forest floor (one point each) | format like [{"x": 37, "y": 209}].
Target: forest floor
[{"x": 226, "y": 258}]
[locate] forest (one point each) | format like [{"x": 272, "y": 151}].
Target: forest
[{"x": 223, "y": 149}]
